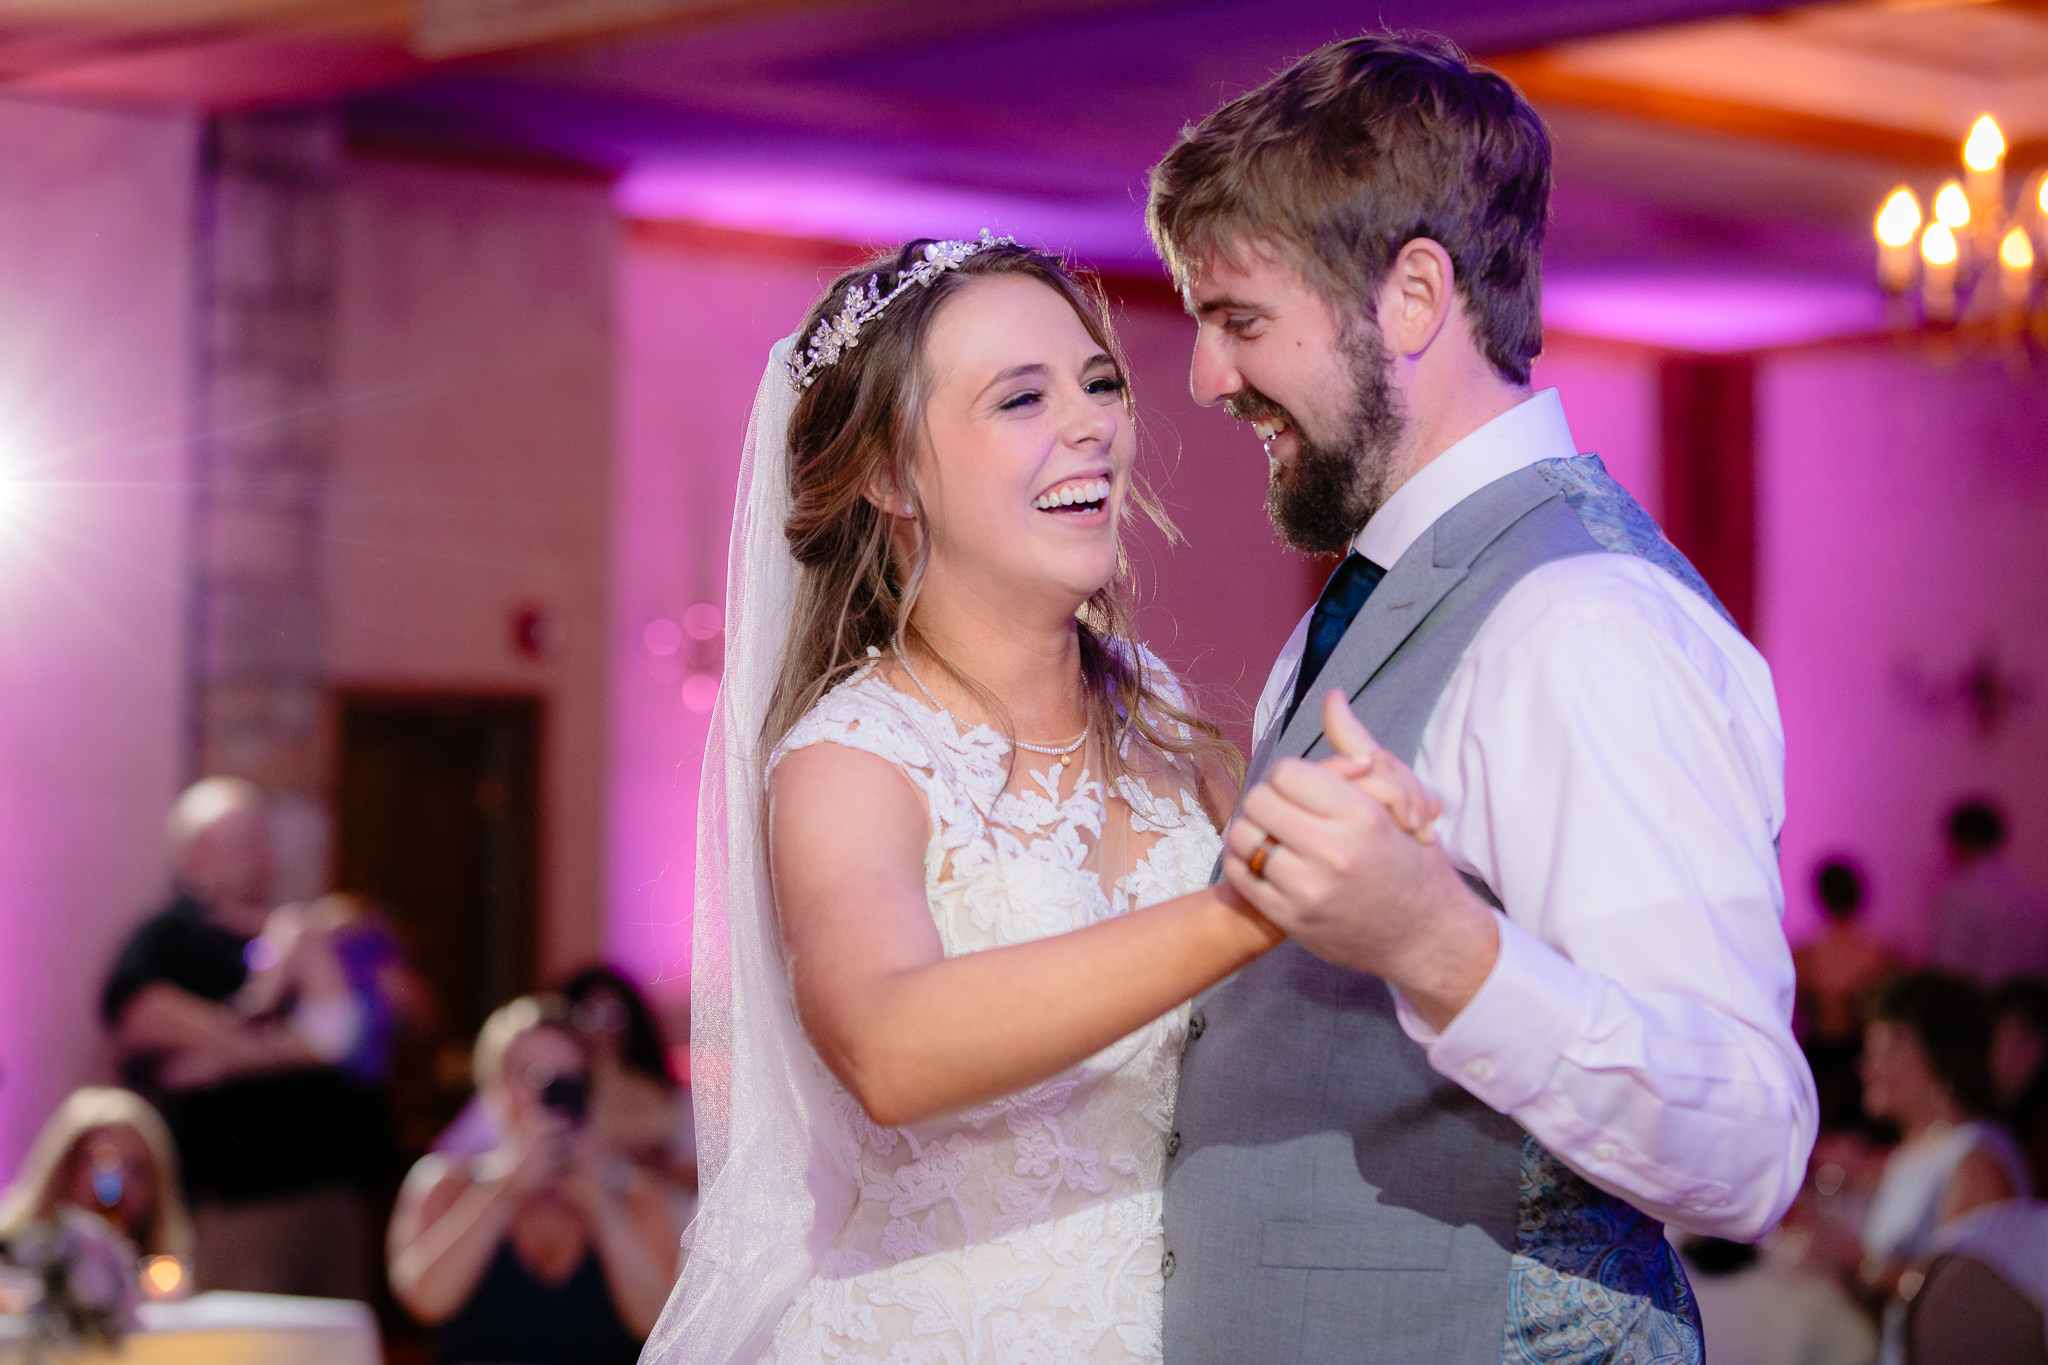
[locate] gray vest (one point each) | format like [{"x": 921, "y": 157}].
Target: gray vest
[{"x": 1329, "y": 1197}]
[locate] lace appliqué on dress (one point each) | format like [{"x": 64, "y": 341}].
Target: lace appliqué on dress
[{"x": 1026, "y": 1230}]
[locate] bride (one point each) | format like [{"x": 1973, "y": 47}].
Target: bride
[{"x": 955, "y": 847}]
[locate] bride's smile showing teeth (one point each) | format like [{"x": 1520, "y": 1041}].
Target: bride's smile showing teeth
[{"x": 1075, "y": 495}]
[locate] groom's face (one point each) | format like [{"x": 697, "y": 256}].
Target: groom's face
[{"x": 1314, "y": 383}]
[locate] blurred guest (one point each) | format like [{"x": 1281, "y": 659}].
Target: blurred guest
[
  {"x": 1985, "y": 1298},
  {"x": 1756, "y": 1313},
  {"x": 552, "y": 1248},
  {"x": 336, "y": 969},
  {"x": 277, "y": 1142},
  {"x": 1987, "y": 922},
  {"x": 636, "y": 1104},
  {"x": 107, "y": 1152},
  {"x": 1836, "y": 972},
  {"x": 2019, "y": 1068},
  {"x": 1926, "y": 1069}
]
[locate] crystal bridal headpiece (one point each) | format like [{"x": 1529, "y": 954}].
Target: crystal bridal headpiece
[{"x": 841, "y": 332}]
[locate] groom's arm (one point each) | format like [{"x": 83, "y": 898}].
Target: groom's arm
[{"x": 1615, "y": 778}]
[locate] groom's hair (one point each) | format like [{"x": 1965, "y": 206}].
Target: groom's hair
[{"x": 1358, "y": 149}]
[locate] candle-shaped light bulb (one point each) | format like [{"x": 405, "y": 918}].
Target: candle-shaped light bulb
[
  {"x": 2042, "y": 198},
  {"x": 1984, "y": 183},
  {"x": 1938, "y": 245},
  {"x": 1938, "y": 280},
  {"x": 1898, "y": 223},
  {"x": 2015, "y": 276},
  {"x": 1985, "y": 147},
  {"x": 1951, "y": 208}
]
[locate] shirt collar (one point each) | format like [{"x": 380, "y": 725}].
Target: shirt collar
[{"x": 1534, "y": 429}]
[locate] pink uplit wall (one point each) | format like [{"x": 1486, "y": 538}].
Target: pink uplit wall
[
  {"x": 95, "y": 284},
  {"x": 695, "y": 326},
  {"x": 1609, "y": 389},
  {"x": 1904, "y": 532},
  {"x": 1219, "y": 605},
  {"x": 473, "y": 468}
]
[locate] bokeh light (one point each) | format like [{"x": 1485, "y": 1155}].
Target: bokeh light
[
  {"x": 2016, "y": 252},
  {"x": 662, "y": 637},
  {"x": 703, "y": 620},
  {"x": 1984, "y": 146},
  {"x": 1952, "y": 206},
  {"x": 162, "y": 1276},
  {"x": 700, "y": 690},
  {"x": 1938, "y": 245},
  {"x": 1899, "y": 219}
]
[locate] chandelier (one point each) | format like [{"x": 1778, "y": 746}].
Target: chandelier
[{"x": 1970, "y": 265}]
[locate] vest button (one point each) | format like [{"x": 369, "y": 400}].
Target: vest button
[
  {"x": 1196, "y": 1023},
  {"x": 1166, "y": 1266},
  {"x": 1172, "y": 1145}
]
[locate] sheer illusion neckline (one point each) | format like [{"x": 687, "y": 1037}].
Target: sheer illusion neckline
[
  {"x": 990, "y": 808},
  {"x": 1063, "y": 752}
]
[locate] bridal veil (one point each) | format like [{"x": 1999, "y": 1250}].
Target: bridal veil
[{"x": 777, "y": 1179}]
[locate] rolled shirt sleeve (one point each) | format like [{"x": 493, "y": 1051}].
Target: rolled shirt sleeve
[{"x": 1611, "y": 762}]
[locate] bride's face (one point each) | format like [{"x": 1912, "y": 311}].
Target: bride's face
[{"x": 1027, "y": 446}]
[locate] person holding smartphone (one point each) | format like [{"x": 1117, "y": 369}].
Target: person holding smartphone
[{"x": 550, "y": 1248}]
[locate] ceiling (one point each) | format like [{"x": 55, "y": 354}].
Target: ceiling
[{"x": 1713, "y": 163}]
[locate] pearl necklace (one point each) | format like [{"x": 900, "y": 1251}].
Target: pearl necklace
[{"x": 1063, "y": 752}]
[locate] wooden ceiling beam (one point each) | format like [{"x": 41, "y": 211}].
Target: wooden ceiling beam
[{"x": 1544, "y": 80}]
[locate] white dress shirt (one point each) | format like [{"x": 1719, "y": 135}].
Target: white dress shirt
[{"x": 1611, "y": 763}]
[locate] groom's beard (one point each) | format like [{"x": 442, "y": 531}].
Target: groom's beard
[{"x": 1322, "y": 499}]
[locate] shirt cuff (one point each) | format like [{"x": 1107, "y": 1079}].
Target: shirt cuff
[{"x": 1506, "y": 1043}]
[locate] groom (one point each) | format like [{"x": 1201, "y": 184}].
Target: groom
[{"x": 1445, "y": 1123}]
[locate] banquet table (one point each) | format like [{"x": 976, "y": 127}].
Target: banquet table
[{"x": 225, "y": 1328}]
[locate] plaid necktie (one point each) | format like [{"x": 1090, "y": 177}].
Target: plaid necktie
[{"x": 1335, "y": 610}]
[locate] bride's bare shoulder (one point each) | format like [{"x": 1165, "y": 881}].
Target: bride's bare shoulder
[{"x": 859, "y": 743}]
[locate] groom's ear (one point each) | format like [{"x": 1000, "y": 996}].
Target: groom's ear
[{"x": 1418, "y": 296}]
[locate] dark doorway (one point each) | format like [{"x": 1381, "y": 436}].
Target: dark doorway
[{"x": 437, "y": 820}]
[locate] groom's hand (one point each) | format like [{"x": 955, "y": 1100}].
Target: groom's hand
[{"x": 1354, "y": 885}]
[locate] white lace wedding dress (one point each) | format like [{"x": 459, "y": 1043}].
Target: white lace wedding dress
[{"x": 1027, "y": 1229}]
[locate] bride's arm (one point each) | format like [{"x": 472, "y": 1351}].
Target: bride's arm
[{"x": 913, "y": 1033}]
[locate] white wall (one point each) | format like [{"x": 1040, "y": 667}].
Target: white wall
[
  {"x": 95, "y": 282},
  {"x": 472, "y": 471}
]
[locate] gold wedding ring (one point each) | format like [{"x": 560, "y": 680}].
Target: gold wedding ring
[{"x": 1257, "y": 862}]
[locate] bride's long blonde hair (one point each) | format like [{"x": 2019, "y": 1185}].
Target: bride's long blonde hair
[{"x": 853, "y": 429}]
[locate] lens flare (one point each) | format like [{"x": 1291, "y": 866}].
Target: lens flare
[
  {"x": 1984, "y": 146},
  {"x": 1952, "y": 206},
  {"x": 1899, "y": 219}
]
